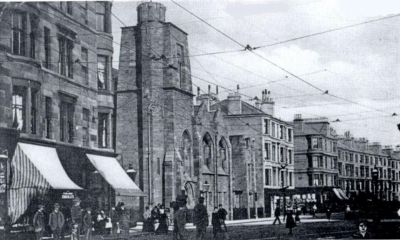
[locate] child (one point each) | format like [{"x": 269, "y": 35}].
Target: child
[{"x": 74, "y": 232}]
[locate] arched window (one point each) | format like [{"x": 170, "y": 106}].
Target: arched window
[
  {"x": 186, "y": 152},
  {"x": 207, "y": 151},
  {"x": 223, "y": 154}
]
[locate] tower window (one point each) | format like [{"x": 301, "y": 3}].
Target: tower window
[{"x": 181, "y": 64}]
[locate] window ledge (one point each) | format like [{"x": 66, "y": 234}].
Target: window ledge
[{"x": 24, "y": 59}]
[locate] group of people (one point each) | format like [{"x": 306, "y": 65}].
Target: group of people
[
  {"x": 82, "y": 222},
  {"x": 201, "y": 220},
  {"x": 156, "y": 220}
]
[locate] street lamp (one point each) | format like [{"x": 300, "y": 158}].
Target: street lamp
[
  {"x": 375, "y": 175},
  {"x": 283, "y": 166},
  {"x": 206, "y": 187}
]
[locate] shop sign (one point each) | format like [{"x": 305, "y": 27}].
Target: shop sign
[{"x": 67, "y": 195}]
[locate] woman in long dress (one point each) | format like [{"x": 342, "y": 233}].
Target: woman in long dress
[
  {"x": 290, "y": 223},
  {"x": 163, "y": 218}
]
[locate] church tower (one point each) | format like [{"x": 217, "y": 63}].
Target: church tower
[{"x": 155, "y": 106}]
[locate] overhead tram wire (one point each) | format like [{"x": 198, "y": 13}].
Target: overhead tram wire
[
  {"x": 250, "y": 49},
  {"x": 199, "y": 77}
]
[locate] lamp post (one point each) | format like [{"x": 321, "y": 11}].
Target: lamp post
[
  {"x": 283, "y": 166},
  {"x": 204, "y": 192},
  {"x": 375, "y": 176}
]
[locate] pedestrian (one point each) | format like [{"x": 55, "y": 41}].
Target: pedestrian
[
  {"x": 38, "y": 222},
  {"x": 87, "y": 224},
  {"x": 362, "y": 232},
  {"x": 100, "y": 222},
  {"x": 277, "y": 214},
  {"x": 108, "y": 225},
  {"x": 76, "y": 215},
  {"x": 124, "y": 219},
  {"x": 222, "y": 216},
  {"x": 200, "y": 219},
  {"x": 314, "y": 210},
  {"x": 114, "y": 219},
  {"x": 179, "y": 220},
  {"x": 347, "y": 212},
  {"x": 74, "y": 232},
  {"x": 297, "y": 215},
  {"x": 215, "y": 223},
  {"x": 56, "y": 222},
  {"x": 148, "y": 222},
  {"x": 290, "y": 223},
  {"x": 328, "y": 214},
  {"x": 163, "y": 226}
]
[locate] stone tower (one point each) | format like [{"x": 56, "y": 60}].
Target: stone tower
[{"x": 155, "y": 105}]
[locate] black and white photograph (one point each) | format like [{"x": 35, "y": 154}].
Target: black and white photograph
[{"x": 199, "y": 119}]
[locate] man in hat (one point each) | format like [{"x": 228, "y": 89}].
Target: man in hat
[
  {"x": 87, "y": 224},
  {"x": 38, "y": 222},
  {"x": 76, "y": 215},
  {"x": 56, "y": 222},
  {"x": 200, "y": 219},
  {"x": 124, "y": 219}
]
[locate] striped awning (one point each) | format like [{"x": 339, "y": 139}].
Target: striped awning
[
  {"x": 35, "y": 170},
  {"x": 110, "y": 169}
]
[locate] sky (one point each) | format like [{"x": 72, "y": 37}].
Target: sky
[{"x": 359, "y": 65}]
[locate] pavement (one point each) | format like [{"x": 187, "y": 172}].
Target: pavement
[{"x": 249, "y": 229}]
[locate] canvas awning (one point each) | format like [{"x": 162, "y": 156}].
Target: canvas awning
[
  {"x": 342, "y": 194},
  {"x": 110, "y": 169},
  {"x": 35, "y": 170},
  {"x": 338, "y": 195}
]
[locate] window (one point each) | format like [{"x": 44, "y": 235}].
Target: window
[
  {"x": 290, "y": 179},
  {"x": 273, "y": 152},
  {"x": 33, "y": 115},
  {"x": 290, "y": 132},
  {"x": 266, "y": 126},
  {"x": 273, "y": 129},
  {"x": 102, "y": 72},
  {"x": 69, "y": 8},
  {"x": 86, "y": 126},
  {"x": 181, "y": 64},
  {"x": 315, "y": 162},
  {"x": 290, "y": 156},
  {"x": 334, "y": 146},
  {"x": 101, "y": 23},
  {"x": 19, "y": 33},
  {"x": 267, "y": 177},
  {"x": 282, "y": 156},
  {"x": 67, "y": 109},
  {"x": 48, "y": 116},
  {"x": 282, "y": 132},
  {"x": 314, "y": 143},
  {"x": 47, "y": 48},
  {"x": 32, "y": 51},
  {"x": 103, "y": 130},
  {"x": 19, "y": 107},
  {"x": 267, "y": 151},
  {"x": 85, "y": 65},
  {"x": 65, "y": 56}
]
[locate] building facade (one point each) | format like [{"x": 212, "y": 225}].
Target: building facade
[
  {"x": 177, "y": 147},
  {"x": 56, "y": 95},
  {"x": 358, "y": 159},
  {"x": 316, "y": 163},
  {"x": 262, "y": 157}
]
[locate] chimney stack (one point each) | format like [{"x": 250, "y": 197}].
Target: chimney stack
[{"x": 267, "y": 103}]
